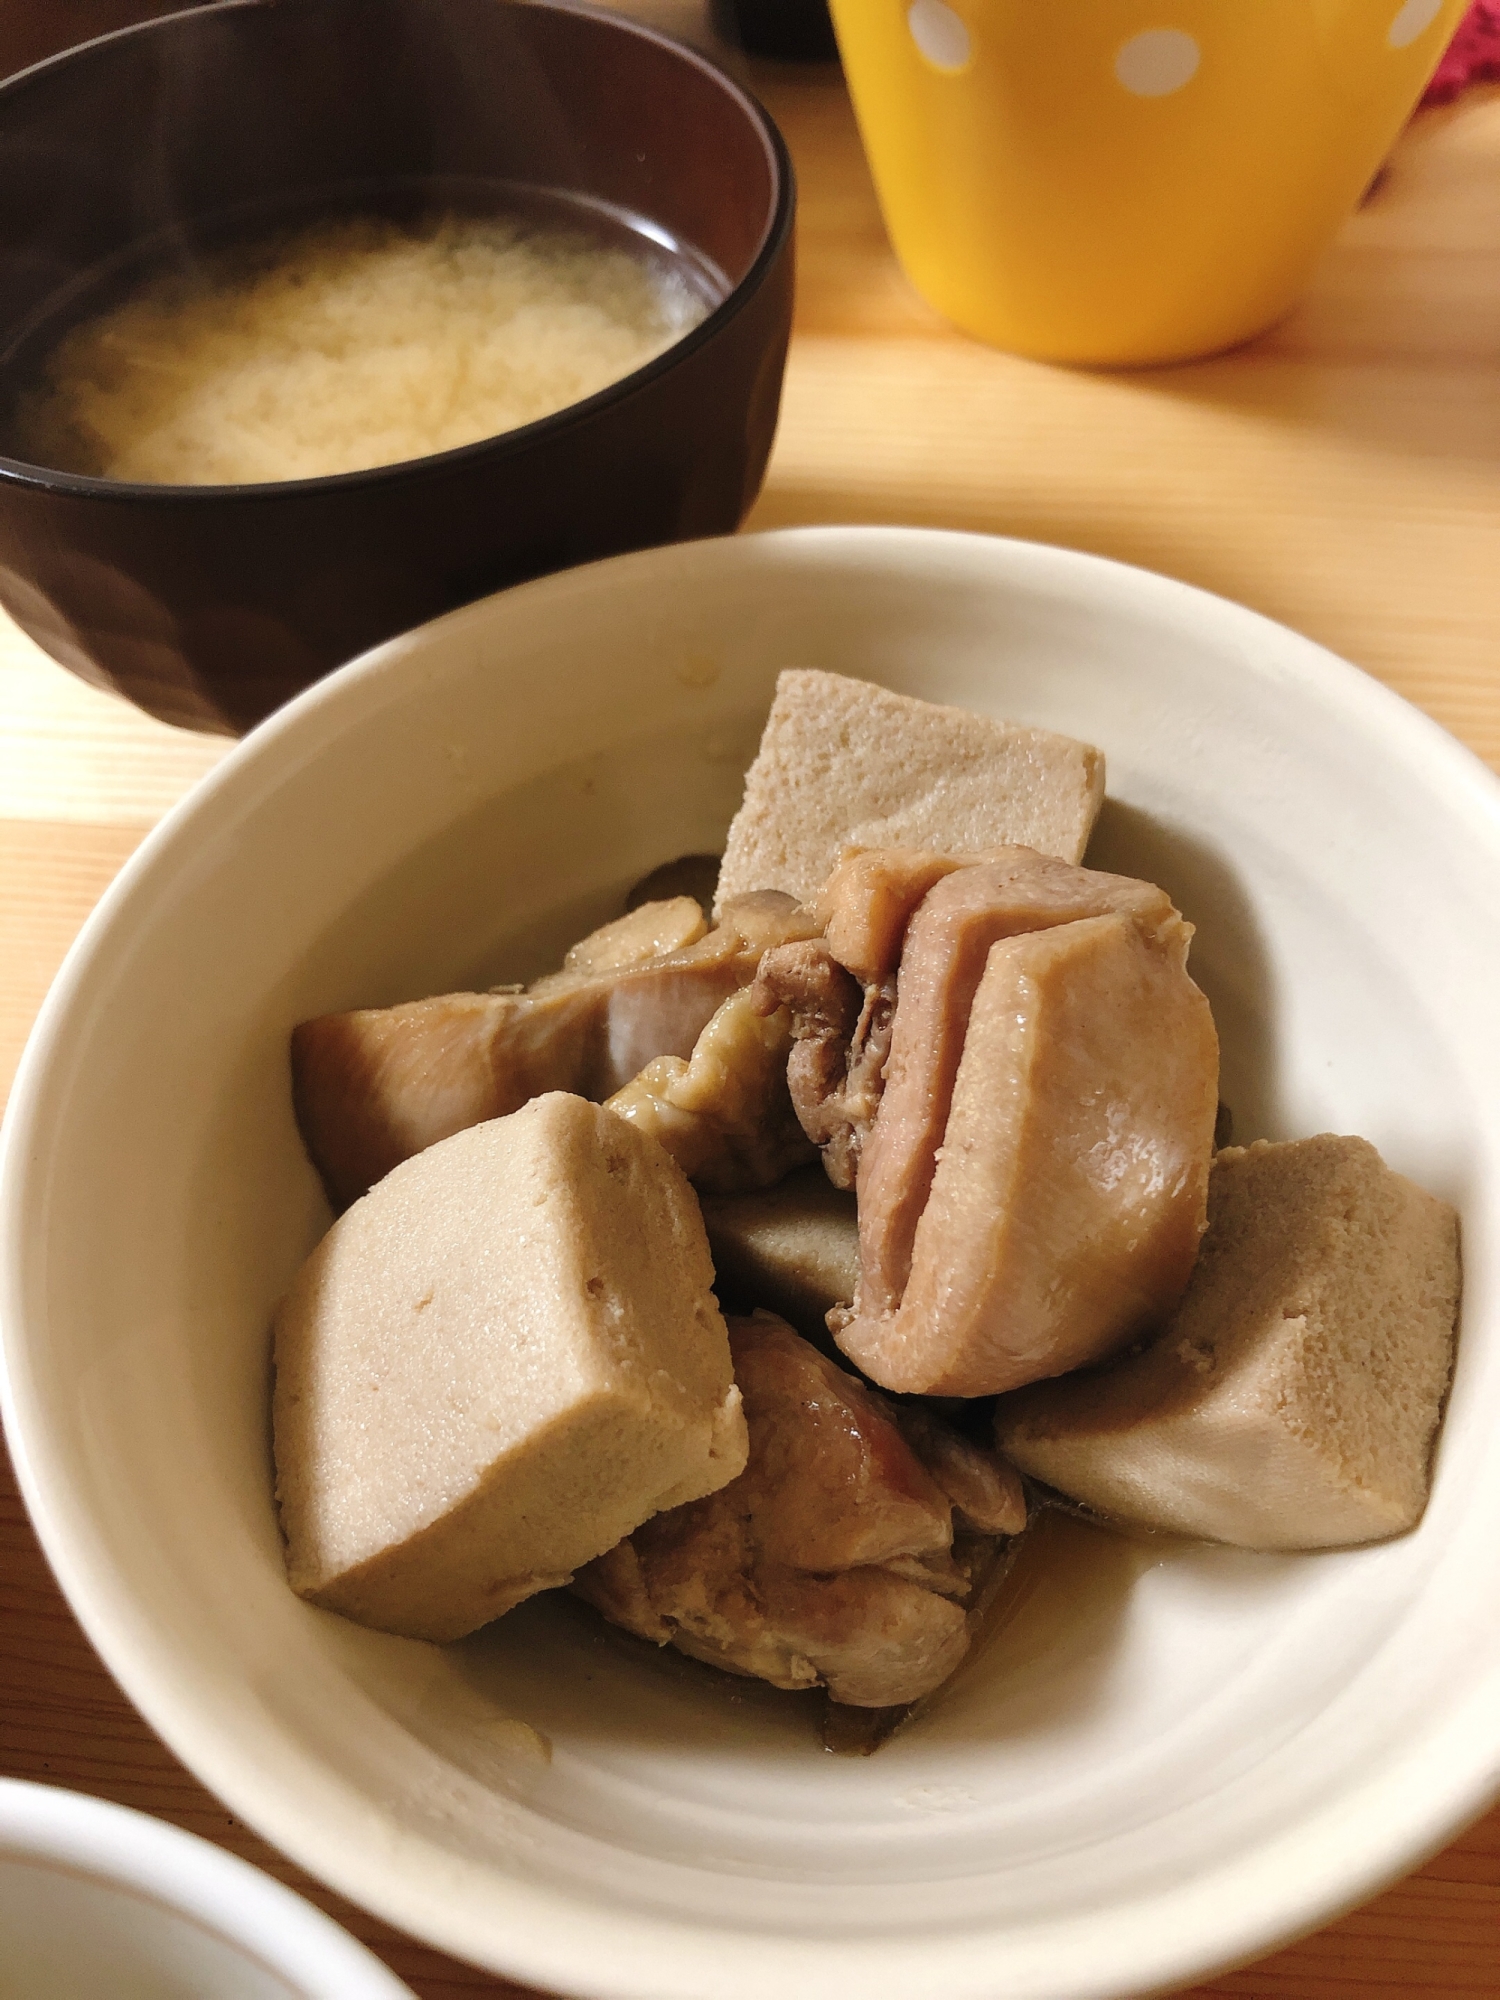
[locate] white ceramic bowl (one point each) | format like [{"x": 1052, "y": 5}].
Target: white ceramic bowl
[
  {"x": 1171, "y": 1758},
  {"x": 96, "y": 1900}
]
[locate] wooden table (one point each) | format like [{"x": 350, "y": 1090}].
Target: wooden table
[{"x": 1342, "y": 474}]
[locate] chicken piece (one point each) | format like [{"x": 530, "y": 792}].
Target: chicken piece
[
  {"x": 984, "y": 1489},
  {"x": 792, "y": 1248},
  {"x": 828, "y": 1561},
  {"x": 725, "y": 1113},
  {"x": 373, "y": 1087},
  {"x": 870, "y": 898},
  {"x": 841, "y": 1037},
  {"x": 1070, "y": 1193},
  {"x": 650, "y": 930},
  {"x": 946, "y": 950}
]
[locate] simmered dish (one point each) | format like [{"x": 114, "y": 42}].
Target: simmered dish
[{"x": 928, "y": 1108}]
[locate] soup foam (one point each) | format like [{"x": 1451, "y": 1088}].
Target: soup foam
[{"x": 350, "y": 344}]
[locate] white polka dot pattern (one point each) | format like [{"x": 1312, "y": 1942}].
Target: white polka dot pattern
[
  {"x": 940, "y": 34},
  {"x": 1414, "y": 19},
  {"x": 1157, "y": 62}
]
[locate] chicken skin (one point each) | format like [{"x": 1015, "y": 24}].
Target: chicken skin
[
  {"x": 833, "y": 1559},
  {"x": 373, "y": 1087}
]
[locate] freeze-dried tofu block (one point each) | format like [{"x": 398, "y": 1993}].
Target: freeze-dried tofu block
[
  {"x": 1292, "y": 1399},
  {"x": 499, "y": 1362},
  {"x": 845, "y": 763}
]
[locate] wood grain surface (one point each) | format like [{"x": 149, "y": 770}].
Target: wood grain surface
[{"x": 1341, "y": 474}]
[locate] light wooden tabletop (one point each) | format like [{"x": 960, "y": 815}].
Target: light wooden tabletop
[{"x": 1342, "y": 474}]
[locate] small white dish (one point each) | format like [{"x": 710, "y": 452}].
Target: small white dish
[
  {"x": 96, "y": 1900},
  {"x": 1172, "y": 1758}
]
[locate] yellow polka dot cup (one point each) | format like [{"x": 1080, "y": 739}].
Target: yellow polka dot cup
[{"x": 1127, "y": 181}]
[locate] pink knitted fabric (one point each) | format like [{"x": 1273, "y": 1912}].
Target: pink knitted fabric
[{"x": 1473, "y": 54}]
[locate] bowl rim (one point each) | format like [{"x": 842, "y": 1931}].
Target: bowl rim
[
  {"x": 1427, "y": 1799},
  {"x": 193, "y": 1880},
  {"x": 521, "y": 438}
]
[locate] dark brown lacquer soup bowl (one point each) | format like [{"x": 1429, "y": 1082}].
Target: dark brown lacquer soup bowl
[{"x": 211, "y": 605}]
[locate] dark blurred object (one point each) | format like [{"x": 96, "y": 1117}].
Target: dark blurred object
[
  {"x": 1473, "y": 56},
  {"x": 786, "y": 30},
  {"x": 695, "y": 875},
  {"x": 210, "y": 606}
]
